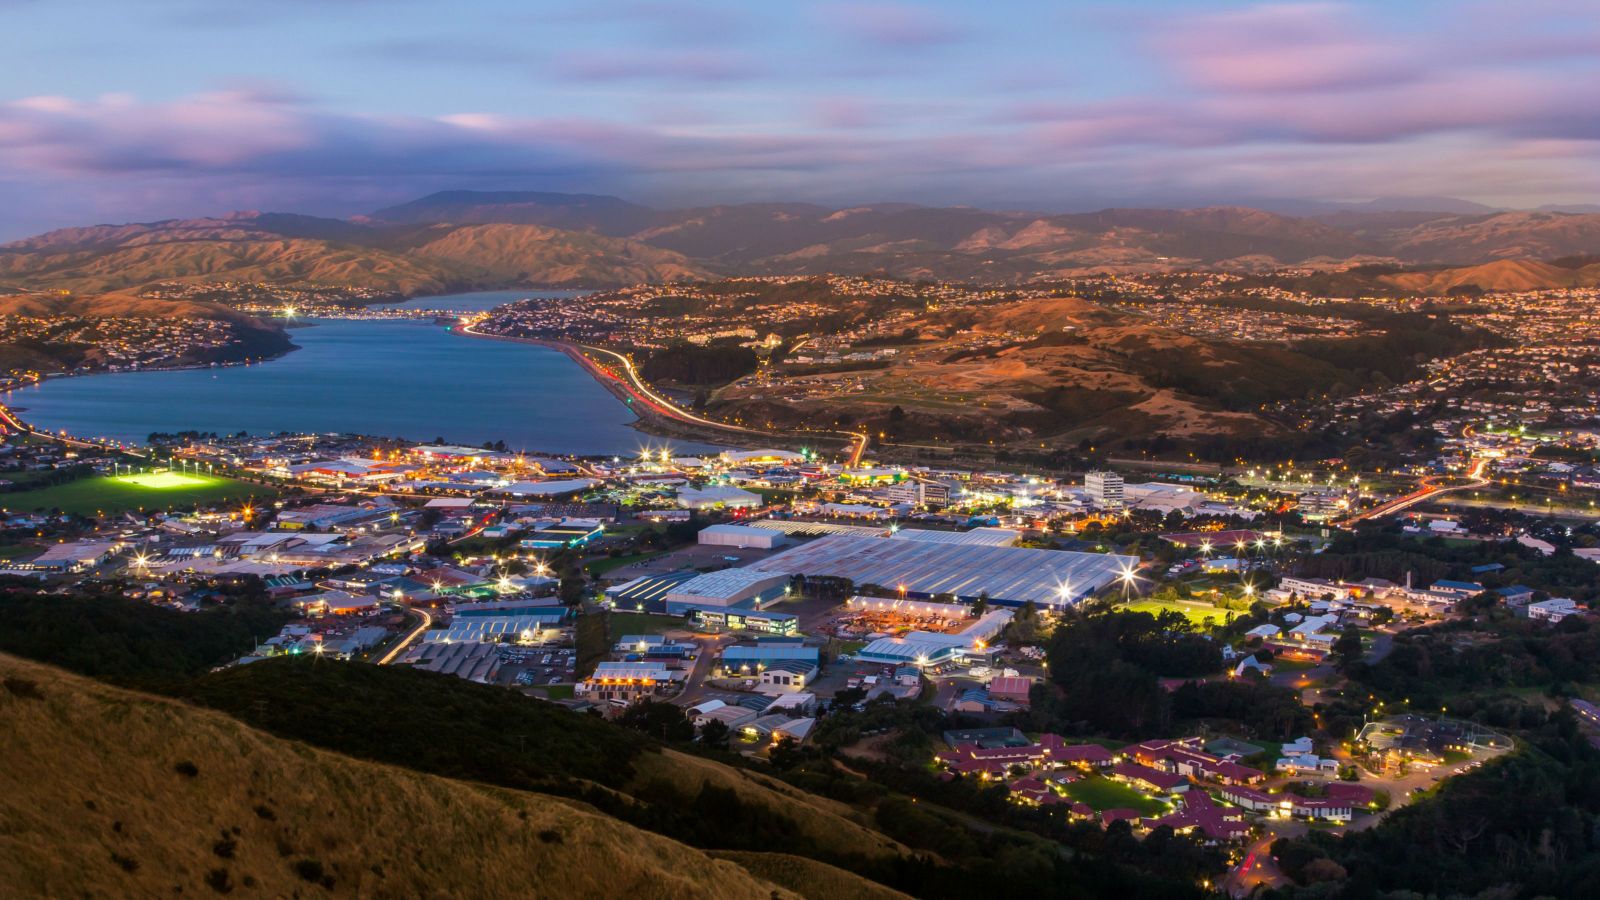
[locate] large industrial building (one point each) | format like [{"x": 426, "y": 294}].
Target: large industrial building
[
  {"x": 742, "y": 588},
  {"x": 1010, "y": 576},
  {"x": 990, "y": 537},
  {"x": 742, "y": 536}
]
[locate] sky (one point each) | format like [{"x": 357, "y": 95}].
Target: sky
[{"x": 145, "y": 109}]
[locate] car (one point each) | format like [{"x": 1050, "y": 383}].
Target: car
[{"x": 555, "y": 681}]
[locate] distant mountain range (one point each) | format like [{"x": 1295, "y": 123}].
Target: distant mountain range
[{"x": 466, "y": 239}]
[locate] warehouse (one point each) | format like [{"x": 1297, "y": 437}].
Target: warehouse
[
  {"x": 717, "y": 496},
  {"x": 988, "y": 537},
  {"x": 743, "y": 537},
  {"x": 493, "y": 629},
  {"x": 1010, "y": 576},
  {"x": 748, "y": 660},
  {"x": 742, "y": 588}
]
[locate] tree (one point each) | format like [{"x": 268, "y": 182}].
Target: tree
[
  {"x": 1347, "y": 649},
  {"x": 785, "y": 754},
  {"x": 714, "y": 733},
  {"x": 658, "y": 719}
]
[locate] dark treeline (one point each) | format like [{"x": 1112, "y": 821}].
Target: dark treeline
[
  {"x": 1106, "y": 672},
  {"x": 715, "y": 363}
]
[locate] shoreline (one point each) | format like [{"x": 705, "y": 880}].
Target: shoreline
[{"x": 650, "y": 420}]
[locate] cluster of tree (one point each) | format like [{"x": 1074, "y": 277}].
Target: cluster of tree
[
  {"x": 714, "y": 363},
  {"x": 1435, "y": 665},
  {"x": 1525, "y": 825},
  {"x": 1106, "y": 671},
  {"x": 105, "y": 636}
]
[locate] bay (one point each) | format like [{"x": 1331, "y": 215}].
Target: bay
[{"x": 392, "y": 378}]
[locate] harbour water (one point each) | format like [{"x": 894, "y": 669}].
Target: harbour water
[{"x": 405, "y": 379}]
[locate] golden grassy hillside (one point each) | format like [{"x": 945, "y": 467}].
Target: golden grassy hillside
[
  {"x": 269, "y": 259},
  {"x": 1504, "y": 275},
  {"x": 833, "y": 826},
  {"x": 106, "y": 792},
  {"x": 548, "y": 256},
  {"x": 807, "y": 876},
  {"x": 116, "y": 305}
]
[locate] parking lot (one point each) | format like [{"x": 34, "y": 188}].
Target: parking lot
[
  {"x": 537, "y": 666},
  {"x": 695, "y": 556}
]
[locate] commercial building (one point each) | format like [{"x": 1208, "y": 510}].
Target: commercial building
[
  {"x": 742, "y": 536},
  {"x": 627, "y": 681},
  {"x": 787, "y": 676},
  {"x": 1104, "y": 488},
  {"x": 1553, "y": 610},
  {"x": 74, "y": 557},
  {"x": 921, "y": 493},
  {"x": 1008, "y": 576},
  {"x": 525, "y": 626},
  {"x": 743, "y": 588},
  {"x": 556, "y": 537},
  {"x": 748, "y": 620},
  {"x": 751, "y": 660},
  {"x": 717, "y": 496}
]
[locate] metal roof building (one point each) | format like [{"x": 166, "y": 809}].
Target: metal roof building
[
  {"x": 1007, "y": 575},
  {"x": 986, "y": 536},
  {"x": 729, "y": 587},
  {"x": 474, "y": 629}
]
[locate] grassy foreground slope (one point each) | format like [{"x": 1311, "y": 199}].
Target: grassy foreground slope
[{"x": 107, "y": 792}]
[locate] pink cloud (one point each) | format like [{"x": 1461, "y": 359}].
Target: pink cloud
[{"x": 1282, "y": 48}]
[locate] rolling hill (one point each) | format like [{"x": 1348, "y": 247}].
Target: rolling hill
[
  {"x": 107, "y": 792},
  {"x": 461, "y": 240}
]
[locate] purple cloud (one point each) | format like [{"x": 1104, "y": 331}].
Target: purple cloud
[
  {"x": 693, "y": 66},
  {"x": 890, "y": 24},
  {"x": 1283, "y": 48}
]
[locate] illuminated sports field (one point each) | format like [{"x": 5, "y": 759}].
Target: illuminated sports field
[
  {"x": 148, "y": 491},
  {"x": 163, "y": 481}
]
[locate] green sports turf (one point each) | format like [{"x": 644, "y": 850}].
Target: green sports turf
[
  {"x": 1195, "y": 612},
  {"x": 161, "y": 481},
  {"x": 113, "y": 494},
  {"x": 1102, "y": 794}
]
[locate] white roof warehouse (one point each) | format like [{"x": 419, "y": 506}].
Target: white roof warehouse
[{"x": 1007, "y": 575}]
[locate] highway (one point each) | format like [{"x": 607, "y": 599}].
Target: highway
[
  {"x": 643, "y": 393},
  {"x": 1431, "y": 487}
]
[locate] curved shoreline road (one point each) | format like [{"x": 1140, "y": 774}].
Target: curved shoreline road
[{"x": 635, "y": 387}]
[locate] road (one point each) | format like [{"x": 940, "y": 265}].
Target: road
[
  {"x": 694, "y": 689},
  {"x": 636, "y": 387},
  {"x": 409, "y": 639},
  {"x": 1431, "y": 487}
]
